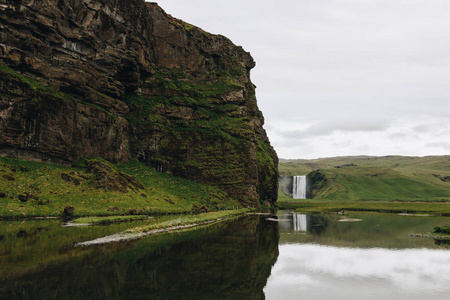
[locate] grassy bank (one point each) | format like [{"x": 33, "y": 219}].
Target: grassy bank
[
  {"x": 184, "y": 220},
  {"x": 107, "y": 220},
  {"x": 177, "y": 223},
  {"x": 323, "y": 206},
  {"x": 95, "y": 187}
]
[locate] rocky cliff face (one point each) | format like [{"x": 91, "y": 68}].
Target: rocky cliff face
[{"x": 121, "y": 79}]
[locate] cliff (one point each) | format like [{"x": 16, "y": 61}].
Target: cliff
[{"x": 121, "y": 79}]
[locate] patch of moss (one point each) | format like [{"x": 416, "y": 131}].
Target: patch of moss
[
  {"x": 267, "y": 172},
  {"x": 41, "y": 90}
]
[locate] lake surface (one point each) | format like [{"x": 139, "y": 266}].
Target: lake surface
[
  {"x": 284, "y": 256},
  {"x": 359, "y": 256}
]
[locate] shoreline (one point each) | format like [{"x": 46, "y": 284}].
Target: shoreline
[
  {"x": 140, "y": 232},
  {"x": 405, "y": 208}
]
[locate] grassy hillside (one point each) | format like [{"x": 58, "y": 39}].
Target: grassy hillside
[
  {"x": 375, "y": 178},
  {"x": 96, "y": 187}
]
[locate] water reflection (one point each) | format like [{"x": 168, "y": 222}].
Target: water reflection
[
  {"x": 359, "y": 230},
  {"x": 321, "y": 257},
  {"x": 228, "y": 261},
  {"x": 303, "y": 223},
  {"x": 324, "y": 272}
]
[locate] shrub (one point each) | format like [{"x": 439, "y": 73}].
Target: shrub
[{"x": 442, "y": 229}]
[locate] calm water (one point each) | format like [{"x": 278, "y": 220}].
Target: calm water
[
  {"x": 286, "y": 256},
  {"x": 360, "y": 256}
]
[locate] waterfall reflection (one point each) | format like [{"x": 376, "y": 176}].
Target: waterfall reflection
[{"x": 303, "y": 223}]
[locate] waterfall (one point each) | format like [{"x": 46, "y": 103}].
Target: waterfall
[
  {"x": 299, "y": 187},
  {"x": 300, "y": 222}
]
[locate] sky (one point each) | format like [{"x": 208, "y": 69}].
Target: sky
[{"x": 341, "y": 77}]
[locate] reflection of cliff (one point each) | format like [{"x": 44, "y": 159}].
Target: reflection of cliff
[{"x": 229, "y": 261}]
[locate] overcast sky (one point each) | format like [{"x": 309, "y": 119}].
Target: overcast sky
[{"x": 342, "y": 77}]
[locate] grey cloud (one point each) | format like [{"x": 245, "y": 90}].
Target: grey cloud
[
  {"x": 327, "y": 128},
  {"x": 423, "y": 128},
  {"x": 348, "y": 125},
  {"x": 442, "y": 145},
  {"x": 399, "y": 136}
]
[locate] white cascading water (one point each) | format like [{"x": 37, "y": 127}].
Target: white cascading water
[
  {"x": 299, "y": 187},
  {"x": 300, "y": 222}
]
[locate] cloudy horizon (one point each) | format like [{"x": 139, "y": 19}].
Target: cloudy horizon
[{"x": 342, "y": 77}]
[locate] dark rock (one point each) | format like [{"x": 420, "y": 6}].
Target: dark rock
[
  {"x": 22, "y": 233},
  {"x": 109, "y": 179},
  {"x": 8, "y": 177},
  {"x": 68, "y": 211},
  {"x": 66, "y": 177},
  {"x": 169, "y": 201},
  {"x": 69, "y": 178},
  {"x": 346, "y": 165},
  {"x": 198, "y": 209},
  {"x": 23, "y": 197},
  {"x": 2, "y": 195}
]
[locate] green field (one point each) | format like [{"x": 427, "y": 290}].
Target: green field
[
  {"x": 375, "y": 178},
  {"x": 383, "y": 184}
]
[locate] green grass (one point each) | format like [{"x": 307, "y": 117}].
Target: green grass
[
  {"x": 161, "y": 193},
  {"x": 375, "y": 178},
  {"x": 183, "y": 220},
  {"x": 107, "y": 220},
  {"x": 320, "y": 206}
]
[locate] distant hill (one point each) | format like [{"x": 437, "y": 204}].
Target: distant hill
[{"x": 374, "y": 178}]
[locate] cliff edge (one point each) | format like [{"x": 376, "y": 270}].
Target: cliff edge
[{"x": 122, "y": 79}]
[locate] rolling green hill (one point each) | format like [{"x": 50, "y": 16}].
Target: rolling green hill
[{"x": 375, "y": 178}]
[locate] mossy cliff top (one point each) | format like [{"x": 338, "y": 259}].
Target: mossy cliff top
[{"x": 122, "y": 80}]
